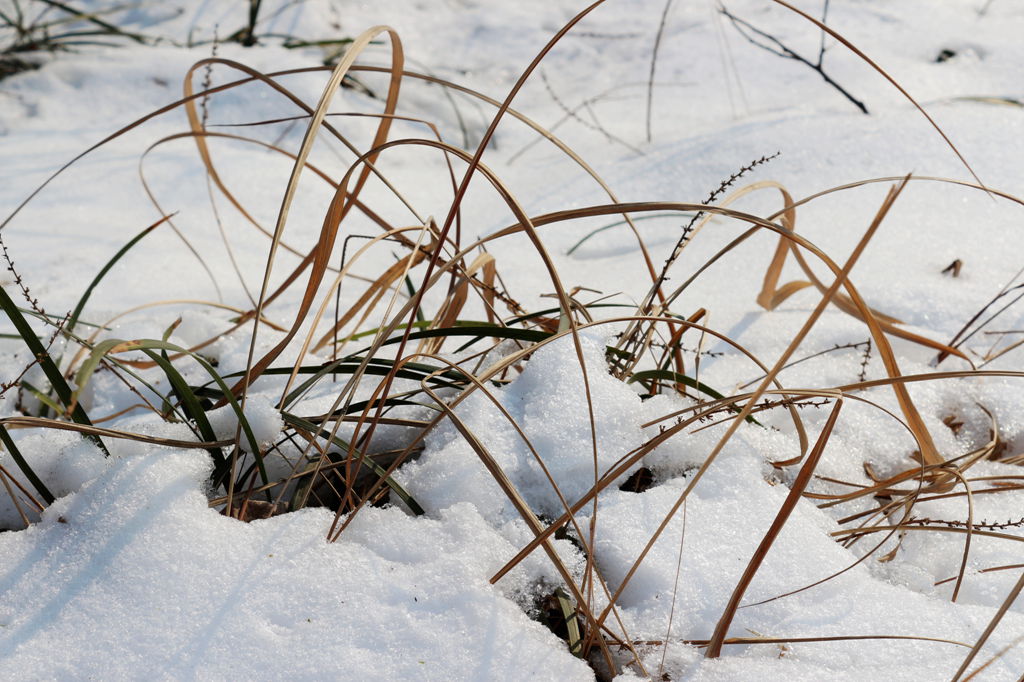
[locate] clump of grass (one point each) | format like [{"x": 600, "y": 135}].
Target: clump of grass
[
  {"x": 439, "y": 325},
  {"x": 29, "y": 27}
]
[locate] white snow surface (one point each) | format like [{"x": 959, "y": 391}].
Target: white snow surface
[
  {"x": 131, "y": 574},
  {"x": 263, "y": 418},
  {"x": 134, "y": 577}
]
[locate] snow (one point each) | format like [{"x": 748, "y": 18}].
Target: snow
[
  {"x": 262, "y": 416},
  {"x": 135, "y": 577},
  {"x": 551, "y": 384},
  {"x": 131, "y": 573}
]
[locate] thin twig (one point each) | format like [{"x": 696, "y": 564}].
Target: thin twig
[
  {"x": 654, "y": 63},
  {"x": 779, "y": 49}
]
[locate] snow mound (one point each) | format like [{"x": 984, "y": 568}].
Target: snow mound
[
  {"x": 263, "y": 417},
  {"x": 548, "y": 402},
  {"x": 63, "y": 461}
]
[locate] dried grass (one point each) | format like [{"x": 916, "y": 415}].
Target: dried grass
[{"x": 421, "y": 334}]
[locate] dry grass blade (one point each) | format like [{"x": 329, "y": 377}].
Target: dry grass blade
[
  {"x": 699, "y": 413},
  {"x": 199, "y": 134},
  {"x": 525, "y": 512},
  {"x": 995, "y": 657},
  {"x": 216, "y": 180},
  {"x": 1000, "y": 612},
  {"x": 751, "y": 403},
  {"x": 714, "y": 649},
  {"x": 43, "y": 423},
  {"x": 442, "y": 292},
  {"x": 796, "y": 640},
  {"x": 545, "y": 134},
  {"x": 929, "y": 454},
  {"x": 376, "y": 291},
  {"x": 906, "y": 527},
  {"x": 339, "y": 206},
  {"x": 967, "y": 536},
  {"x": 5, "y": 478},
  {"x": 675, "y": 592},
  {"x": 773, "y": 294},
  {"x": 453, "y": 305}
]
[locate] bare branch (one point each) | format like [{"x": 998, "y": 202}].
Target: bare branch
[{"x": 779, "y": 49}]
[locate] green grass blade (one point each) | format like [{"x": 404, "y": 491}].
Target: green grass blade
[
  {"x": 60, "y": 386},
  {"x": 42, "y": 397},
  {"x": 572, "y": 623},
  {"x": 377, "y": 367},
  {"x": 73, "y": 319},
  {"x": 184, "y": 392},
  {"x": 555, "y": 311},
  {"x": 23, "y": 465},
  {"x": 677, "y": 378},
  {"x": 412, "y": 294},
  {"x": 193, "y": 409}
]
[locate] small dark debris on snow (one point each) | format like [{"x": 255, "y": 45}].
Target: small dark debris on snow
[
  {"x": 953, "y": 268},
  {"x": 953, "y": 423}
]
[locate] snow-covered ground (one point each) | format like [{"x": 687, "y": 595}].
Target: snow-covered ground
[{"x": 131, "y": 574}]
